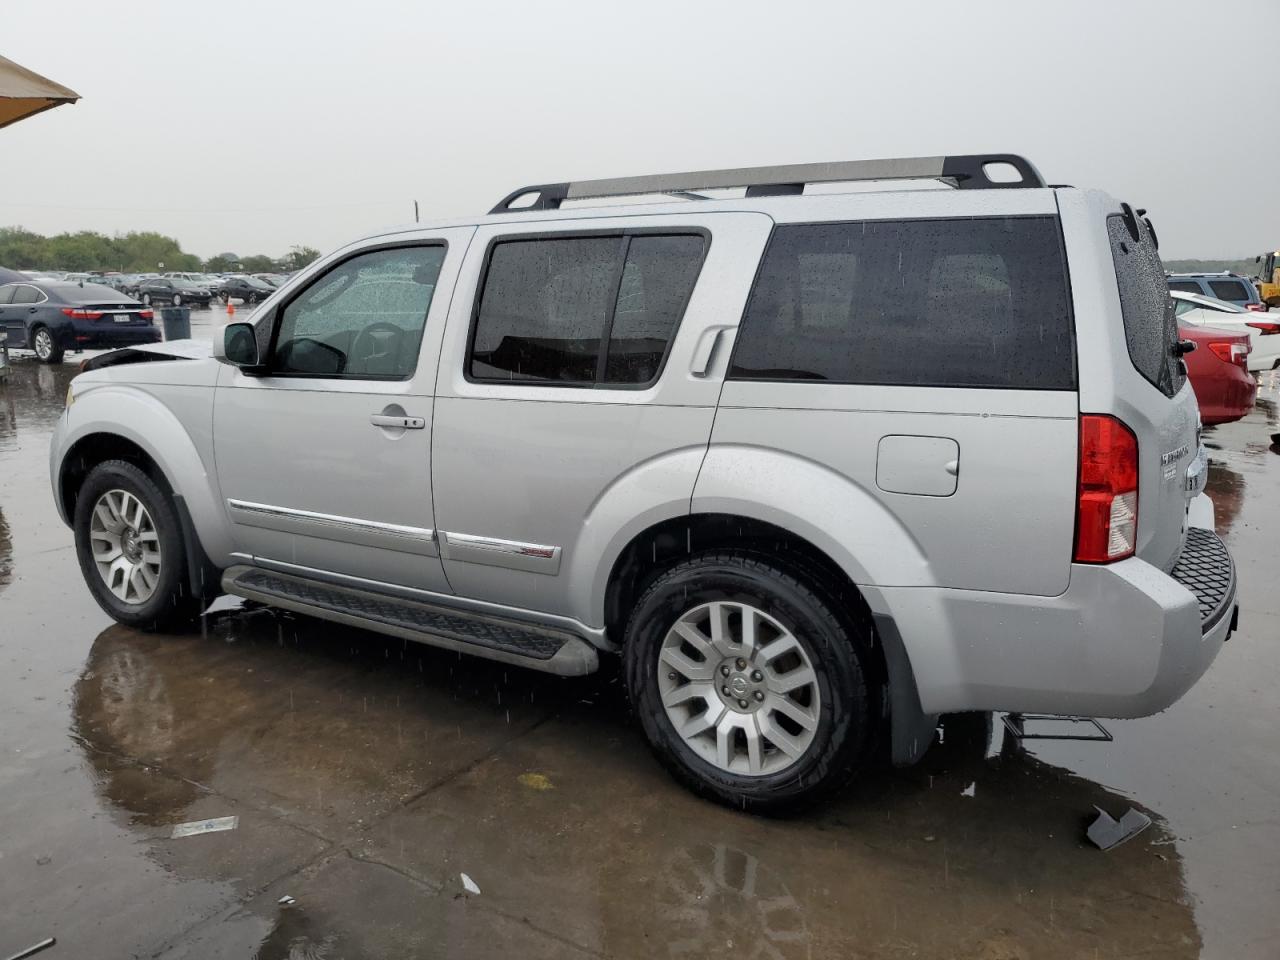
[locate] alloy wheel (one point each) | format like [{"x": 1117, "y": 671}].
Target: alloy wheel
[
  {"x": 44, "y": 344},
  {"x": 739, "y": 688},
  {"x": 177, "y": 299},
  {"x": 125, "y": 546}
]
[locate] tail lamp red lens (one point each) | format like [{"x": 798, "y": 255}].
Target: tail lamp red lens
[
  {"x": 1107, "y": 497},
  {"x": 1265, "y": 327},
  {"x": 76, "y": 313},
  {"x": 1228, "y": 352}
]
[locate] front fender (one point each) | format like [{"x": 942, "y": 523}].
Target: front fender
[
  {"x": 827, "y": 509},
  {"x": 137, "y": 416}
]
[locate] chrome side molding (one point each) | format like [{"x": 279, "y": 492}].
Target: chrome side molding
[
  {"x": 512, "y": 554},
  {"x": 327, "y": 526}
]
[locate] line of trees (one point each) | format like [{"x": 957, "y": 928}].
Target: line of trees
[{"x": 135, "y": 252}]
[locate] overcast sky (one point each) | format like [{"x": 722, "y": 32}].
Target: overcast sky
[{"x": 252, "y": 126}]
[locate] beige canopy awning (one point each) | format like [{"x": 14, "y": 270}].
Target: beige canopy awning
[{"x": 23, "y": 93}]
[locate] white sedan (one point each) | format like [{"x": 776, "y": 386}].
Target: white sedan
[{"x": 1263, "y": 328}]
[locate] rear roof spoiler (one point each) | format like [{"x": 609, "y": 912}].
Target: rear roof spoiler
[{"x": 968, "y": 172}]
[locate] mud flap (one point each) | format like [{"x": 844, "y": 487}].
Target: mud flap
[{"x": 911, "y": 730}]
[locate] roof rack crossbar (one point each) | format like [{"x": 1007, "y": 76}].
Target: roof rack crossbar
[{"x": 966, "y": 172}]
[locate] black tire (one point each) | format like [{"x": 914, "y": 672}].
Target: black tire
[
  {"x": 46, "y": 345},
  {"x": 839, "y": 648},
  {"x": 171, "y": 605}
]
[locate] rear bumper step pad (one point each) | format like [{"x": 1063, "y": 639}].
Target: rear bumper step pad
[
  {"x": 495, "y": 638},
  {"x": 1207, "y": 570}
]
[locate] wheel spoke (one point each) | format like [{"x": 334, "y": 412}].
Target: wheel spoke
[
  {"x": 148, "y": 536},
  {"x": 776, "y": 648},
  {"x": 721, "y": 637},
  {"x": 724, "y": 740},
  {"x": 106, "y": 556},
  {"x": 789, "y": 708},
  {"x": 781, "y": 739},
  {"x": 686, "y": 667},
  {"x": 748, "y": 639},
  {"x": 755, "y": 747},
  {"x": 702, "y": 722},
  {"x": 686, "y": 692},
  {"x": 695, "y": 638},
  {"x": 791, "y": 680}
]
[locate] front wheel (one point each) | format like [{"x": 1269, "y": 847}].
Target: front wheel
[
  {"x": 47, "y": 349},
  {"x": 251, "y": 298},
  {"x": 129, "y": 544},
  {"x": 751, "y": 690}
]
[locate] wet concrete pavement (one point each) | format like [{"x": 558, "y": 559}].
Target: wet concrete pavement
[{"x": 368, "y": 775}]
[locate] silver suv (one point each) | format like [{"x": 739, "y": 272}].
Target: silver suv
[{"x": 816, "y": 466}]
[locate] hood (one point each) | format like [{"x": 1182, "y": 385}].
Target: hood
[{"x": 148, "y": 352}]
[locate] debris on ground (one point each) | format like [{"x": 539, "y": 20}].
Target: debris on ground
[
  {"x": 536, "y": 781},
  {"x": 970, "y": 791},
  {"x": 1106, "y": 832},
  {"x": 195, "y": 827},
  {"x": 32, "y": 950},
  {"x": 469, "y": 885},
  {"x": 286, "y": 901}
]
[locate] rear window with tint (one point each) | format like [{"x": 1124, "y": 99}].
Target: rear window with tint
[
  {"x": 582, "y": 311},
  {"x": 1231, "y": 290},
  {"x": 1185, "y": 286},
  {"x": 978, "y": 302},
  {"x": 1150, "y": 328}
]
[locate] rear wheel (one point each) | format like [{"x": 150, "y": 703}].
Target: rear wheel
[
  {"x": 46, "y": 348},
  {"x": 251, "y": 298},
  {"x": 130, "y": 548},
  {"x": 177, "y": 299},
  {"x": 749, "y": 687},
  {"x": 146, "y": 299}
]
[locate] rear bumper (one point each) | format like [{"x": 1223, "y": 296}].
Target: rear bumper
[
  {"x": 1124, "y": 640},
  {"x": 105, "y": 339}
]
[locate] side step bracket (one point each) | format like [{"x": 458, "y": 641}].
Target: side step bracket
[
  {"x": 1016, "y": 724},
  {"x": 496, "y": 638}
]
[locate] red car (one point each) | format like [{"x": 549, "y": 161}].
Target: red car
[{"x": 1219, "y": 372}]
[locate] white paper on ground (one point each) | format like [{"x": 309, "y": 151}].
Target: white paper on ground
[{"x": 205, "y": 826}]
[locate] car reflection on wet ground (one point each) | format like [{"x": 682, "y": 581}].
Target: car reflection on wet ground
[{"x": 369, "y": 774}]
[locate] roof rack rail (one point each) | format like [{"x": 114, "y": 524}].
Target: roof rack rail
[{"x": 967, "y": 172}]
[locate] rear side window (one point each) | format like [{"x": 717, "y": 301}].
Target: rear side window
[
  {"x": 1185, "y": 286},
  {"x": 1150, "y": 328},
  {"x": 978, "y": 302},
  {"x": 6, "y": 294},
  {"x": 27, "y": 294},
  {"x": 1232, "y": 291},
  {"x": 582, "y": 311}
]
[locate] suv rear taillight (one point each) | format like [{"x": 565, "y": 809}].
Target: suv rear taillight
[
  {"x": 1227, "y": 352},
  {"x": 1107, "y": 496}
]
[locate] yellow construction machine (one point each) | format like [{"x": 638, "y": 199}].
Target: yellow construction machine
[{"x": 1268, "y": 279}]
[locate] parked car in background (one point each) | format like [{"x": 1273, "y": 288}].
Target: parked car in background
[
  {"x": 248, "y": 289},
  {"x": 818, "y": 468},
  {"x": 1263, "y": 332},
  {"x": 1219, "y": 372},
  {"x": 54, "y": 317},
  {"x": 1230, "y": 287},
  {"x": 274, "y": 280},
  {"x": 180, "y": 293}
]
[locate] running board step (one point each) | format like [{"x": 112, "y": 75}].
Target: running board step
[{"x": 495, "y": 638}]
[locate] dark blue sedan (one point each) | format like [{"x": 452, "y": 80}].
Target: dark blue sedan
[{"x": 53, "y": 317}]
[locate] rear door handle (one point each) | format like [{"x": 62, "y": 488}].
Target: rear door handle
[
  {"x": 403, "y": 423},
  {"x": 703, "y": 353}
]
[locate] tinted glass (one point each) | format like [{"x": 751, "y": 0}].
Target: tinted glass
[
  {"x": 1185, "y": 286},
  {"x": 961, "y": 303},
  {"x": 657, "y": 280},
  {"x": 6, "y": 294},
  {"x": 363, "y": 318},
  {"x": 27, "y": 294},
  {"x": 1183, "y": 306},
  {"x": 1150, "y": 329},
  {"x": 544, "y": 309},
  {"x": 1232, "y": 291}
]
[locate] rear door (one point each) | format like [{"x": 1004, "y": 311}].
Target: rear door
[{"x": 574, "y": 370}]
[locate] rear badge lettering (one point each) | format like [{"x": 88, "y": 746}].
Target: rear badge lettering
[{"x": 1173, "y": 456}]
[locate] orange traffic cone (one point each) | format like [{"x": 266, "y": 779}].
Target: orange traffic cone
[{"x": 231, "y": 308}]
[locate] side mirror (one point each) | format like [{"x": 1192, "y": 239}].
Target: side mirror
[{"x": 238, "y": 346}]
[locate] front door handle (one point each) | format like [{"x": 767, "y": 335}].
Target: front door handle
[{"x": 402, "y": 423}]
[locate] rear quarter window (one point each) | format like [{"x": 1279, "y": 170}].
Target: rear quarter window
[
  {"x": 1185, "y": 286},
  {"x": 1233, "y": 291},
  {"x": 976, "y": 302},
  {"x": 1150, "y": 327}
]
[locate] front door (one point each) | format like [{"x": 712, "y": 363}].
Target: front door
[{"x": 324, "y": 462}]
